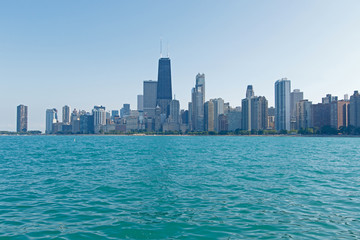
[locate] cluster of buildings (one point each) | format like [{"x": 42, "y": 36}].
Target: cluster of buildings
[{"x": 158, "y": 111}]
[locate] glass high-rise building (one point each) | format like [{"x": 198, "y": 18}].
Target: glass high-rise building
[
  {"x": 51, "y": 118},
  {"x": 246, "y": 108},
  {"x": 282, "y": 104},
  {"x": 140, "y": 102},
  {"x": 174, "y": 115},
  {"x": 99, "y": 114},
  {"x": 22, "y": 118},
  {"x": 66, "y": 114},
  {"x": 218, "y": 110},
  {"x": 149, "y": 98},
  {"x": 295, "y": 97},
  {"x": 355, "y": 109},
  {"x": 164, "y": 92},
  {"x": 198, "y": 100}
]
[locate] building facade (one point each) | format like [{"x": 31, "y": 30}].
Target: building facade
[
  {"x": 303, "y": 114},
  {"x": 282, "y": 104},
  {"x": 354, "y": 110},
  {"x": 259, "y": 113},
  {"x": 218, "y": 110},
  {"x": 234, "y": 119},
  {"x": 321, "y": 115},
  {"x": 51, "y": 119},
  {"x": 99, "y": 114},
  {"x": 149, "y": 98},
  {"x": 295, "y": 97},
  {"x": 22, "y": 118},
  {"x": 339, "y": 113},
  {"x": 140, "y": 103},
  {"x": 66, "y": 112},
  {"x": 209, "y": 116},
  {"x": 198, "y": 100},
  {"x": 164, "y": 90}
]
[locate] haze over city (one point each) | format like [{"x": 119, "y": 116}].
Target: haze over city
[{"x": 87, "y": 53}]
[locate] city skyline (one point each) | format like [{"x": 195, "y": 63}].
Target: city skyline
[
  {"x": 72, "y": 58},
  {"x": 286, "y": 102}
]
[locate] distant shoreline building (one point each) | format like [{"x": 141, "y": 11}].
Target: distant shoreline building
[
  {"x": 282, "y": 104},
  {"x": 198, "y": 100},
  {"x": 22, "y": 118},
  {"x": 164, "y": 90},
  {"x": 149, "y": 98},
  {"x": 51, "y": 119},
  {"x": 66, "y": 114}
]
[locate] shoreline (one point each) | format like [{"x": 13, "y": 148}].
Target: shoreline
[{"x": 187, "y": 135}]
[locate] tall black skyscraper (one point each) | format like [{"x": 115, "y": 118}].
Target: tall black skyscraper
[{"x": 164, "y": 93}]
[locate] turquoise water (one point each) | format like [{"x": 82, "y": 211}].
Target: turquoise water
[{"x": 117, "y": 187}]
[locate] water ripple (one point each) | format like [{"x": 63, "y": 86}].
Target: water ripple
[{"x": 117, "y": 187}]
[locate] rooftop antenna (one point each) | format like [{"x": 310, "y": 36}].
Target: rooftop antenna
[
  {"x": 160, "y": 47},
  {"x": 174, "y": 97}
]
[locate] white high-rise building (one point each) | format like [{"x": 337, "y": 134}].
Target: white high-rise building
[
  {"x": 51, "y": 118},
  {"x": 99, "y": 114},
  {"x": 282, "y": 104},
  {"x": 295, "y": 97},
  {"x": 218, "y": 109}
]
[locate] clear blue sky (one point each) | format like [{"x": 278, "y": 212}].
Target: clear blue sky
[{"x": 86, "y": 53}]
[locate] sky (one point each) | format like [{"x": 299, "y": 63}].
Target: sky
[{"x": 86, "y": 53}]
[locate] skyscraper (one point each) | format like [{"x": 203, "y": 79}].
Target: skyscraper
[
  {"x": 174, "y": 115},
  {"x": 259, "y": 113},
  {"x": 173, "y": 123},
  {"x": 125, "y": 110},
  {"x": 355, "y": 109},
  {"x": 223, "y": 124},
  {"x": 295, "y": 97},
  {"x": 22, "y": 118},
  {"x": 149, "y": 98},
  {"x": 114, "y": 115},
  {"x": 209, "y": 116},
  {"x": 66, "y": 114},
  {"x": 198, "y": 100},
  {"x": 303, "y": 114},
  {"x": 249, "y": 91},
  {"x": 218, "y": 109},
  {"x": 329, "y": 99},
  {"x": 234, "y": 118},
  {"x": 321, "y": 113},
  {"x": 99, "y": 118},
  {"x": 51, "y": 118},
  {"x": 164, "y": 92},
  {"x": 246, "y": 114},
  {"x": 282, "y": 104},
  {"x": 246, "y": 108},
  {"x": 339, "y": 113},
  {"x": 140, "y": 102}
]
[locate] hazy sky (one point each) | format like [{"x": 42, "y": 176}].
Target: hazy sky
[{"x": 86, "y": 53}]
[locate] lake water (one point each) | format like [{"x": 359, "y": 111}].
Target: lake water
[{"x": 179, "y": 187}]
